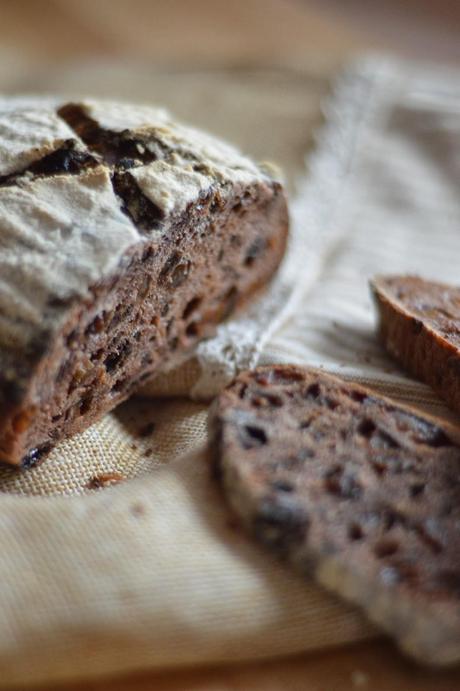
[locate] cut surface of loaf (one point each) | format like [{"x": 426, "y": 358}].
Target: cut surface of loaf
[
  {"x": 125, "y": 238},
  {"x": 419, "y": 325},
  {"x": 358, "y": 492}
]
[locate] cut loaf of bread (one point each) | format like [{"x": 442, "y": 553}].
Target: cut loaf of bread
[
  {"x": 124, "y": 239},
  {"x": 356, "y": 491}
]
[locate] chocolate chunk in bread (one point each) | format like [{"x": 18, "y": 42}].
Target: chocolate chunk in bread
[
  {"x": 419, "y": 325},
  {"x": 358, "y": 492},
  {"x": 125, "y": 238}
]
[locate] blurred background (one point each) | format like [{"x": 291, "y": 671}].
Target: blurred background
[
  {"x": 36, "y": 33},
  {"x": 226, "y": 65}
]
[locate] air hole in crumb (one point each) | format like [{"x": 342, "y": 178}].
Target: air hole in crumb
[
  {"x": 192, "y": 330},
  {"x": 389, "y": 520},
  {"x": 120, "y": 385},
  {"x": 343, "y": 485},
  {"x": 148, "y": 254},
  {"x": 253, "y": 436},
  {"x": 379, "y": 468},
  {"x": 416, "y": 489},
  {"x": 97, "y": 355},
  {"x": 97, "y": 325},
  {"x": 357, "y": 396},
  {"x": 274, "y": 400},
  {"x": 386, "y": 548},
  {"x": 331, "y": 403},
  {"x": 283, "y": 486},
  {"x": 355, "y": 532},
  {"x": 111, "y": 361},
  {"x": 85, "y": 404},
  {"x": 191, "y": 306},
  {"x": 71, "y": 339},
  {"x": 313, "y": 391},
  {"x": 366, "y": 427},
  {"x": 255, "y": 250},
  {"x": 243, "y": 390},
  {"x": 439, "y": 439},
  {"x": 450, "y": 579}
]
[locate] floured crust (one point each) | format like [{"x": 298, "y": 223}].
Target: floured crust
[
  {"x": 358, "y": 492},
  {"x": 28, "y": 131},
  {"x": 59, "y": 235},
  {"x": 171, "y": 187},
  {"x": 119, "y": 117},
  {"x": 86, "y": 190}
]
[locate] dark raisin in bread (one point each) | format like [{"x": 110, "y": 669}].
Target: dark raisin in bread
[
  {"x": 360, "y": 493},
  {"x": 124, "y": 239},
  {"x": 419, "y": 325}
]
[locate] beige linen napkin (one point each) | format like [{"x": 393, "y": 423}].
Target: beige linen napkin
[{"x": 153, "y": 572}]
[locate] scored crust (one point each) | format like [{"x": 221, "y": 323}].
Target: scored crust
[
  {"x": 419, "y": 325},
  {"x": 354, "y": 490},
  {"x": 124, "y": 239}
]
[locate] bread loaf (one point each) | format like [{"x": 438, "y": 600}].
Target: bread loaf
[{"x": 124, "y": 239}]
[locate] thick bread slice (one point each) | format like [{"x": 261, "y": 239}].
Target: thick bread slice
[
  {"x": 419, "y": 325},
  {"x": 360, "y": 493},
  {"x": 125, "y": 238}
]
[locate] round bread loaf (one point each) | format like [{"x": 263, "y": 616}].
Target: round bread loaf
[{"x": 124, "y": 239}]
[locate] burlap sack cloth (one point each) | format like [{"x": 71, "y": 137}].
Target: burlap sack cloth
[{"x": 152, "y": 572}]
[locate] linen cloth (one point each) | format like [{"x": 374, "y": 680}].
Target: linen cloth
[{"x": 153, "y": 571}]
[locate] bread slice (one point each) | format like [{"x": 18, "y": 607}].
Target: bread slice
[
  {"x": 360, "y": 493},
  {"x": 125, "y": 238},
  {"x": 419, "y": 325}
]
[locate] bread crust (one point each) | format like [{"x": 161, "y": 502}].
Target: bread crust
[{"x": 419, "y": 324}]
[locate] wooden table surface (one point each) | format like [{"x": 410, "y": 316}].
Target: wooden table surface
[{"x": 239, "y": 32}]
